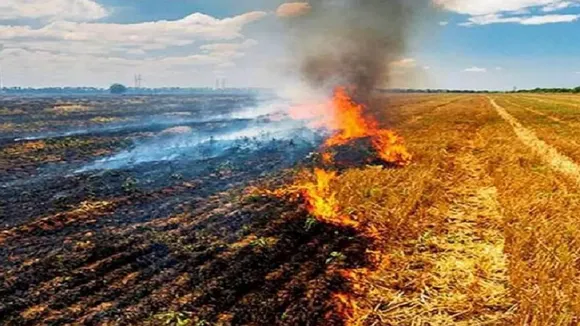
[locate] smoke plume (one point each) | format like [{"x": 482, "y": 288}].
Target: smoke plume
[{"x": 351, "y": 42}]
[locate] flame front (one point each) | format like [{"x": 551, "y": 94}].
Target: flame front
[
  {"x": 351, "y": 124},
  {"x": 347, "y": 119},
  {"x": 321, "y": 200}
]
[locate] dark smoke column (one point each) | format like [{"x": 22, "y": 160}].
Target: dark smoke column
[{"x": 351, "y": 42}]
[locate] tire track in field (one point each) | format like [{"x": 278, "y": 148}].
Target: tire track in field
[
  {"x": 551, "y": 117},
  {"x": 471, "y": 267},
  {"x": 467, "y": 279},
  {"x": 458, "y": 274},
  {"x": 549, "y": 154},
  {"x": 551, "y": 101}
]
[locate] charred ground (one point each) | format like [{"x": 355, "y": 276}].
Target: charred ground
[{"x": 159, "y": 241}]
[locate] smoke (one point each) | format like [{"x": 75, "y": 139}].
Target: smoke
[
  {"x": 351, "y": 42},
  {"x": 251, "y": 129}
]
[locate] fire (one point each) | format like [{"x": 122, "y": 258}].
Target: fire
[
  {"x": 321, "y": 200},
  {"x": 346, "y": 306},
  {"x": 351, "y": 124},
  {"x": 327, "y": 158},
  {"x": 347, "y": 119},
  {"x": 390, "y": 147}
]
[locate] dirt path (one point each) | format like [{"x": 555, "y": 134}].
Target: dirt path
[{"x": 555, "y": 159}]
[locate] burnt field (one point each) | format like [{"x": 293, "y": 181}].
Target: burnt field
[
  {"x": 231, "y": 210},
  {"x": 133, "y": 210}
]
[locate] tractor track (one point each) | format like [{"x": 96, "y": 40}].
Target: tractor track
[{"x": 548, "y": 153}]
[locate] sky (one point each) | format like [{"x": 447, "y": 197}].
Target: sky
[{"x": 458, "y": 44}]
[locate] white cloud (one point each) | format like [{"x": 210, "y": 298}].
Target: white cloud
[
  {"x": 525, "y": 20},
  {"x": 510, "y": 11},
  {"x": 558, "y": 6},
  {"x": 498, "y": 68},
  {"x": 549, "y": 19},
  {"x": 52, "y": 10},
  {"x": 443, "y": 23},
  {"x": 475, "y": 69},
  {"x": 103, "y": 38},
  {"x": 228, "y": 47},
  {"x": 481, "y": 7},
  {"x": 66, "y": 52},
  {"x": 49, "y": 69}
]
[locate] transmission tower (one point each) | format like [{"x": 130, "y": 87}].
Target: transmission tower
[
  {"x": 138, "y": 80},
  {"x": 1, "y": 80}
]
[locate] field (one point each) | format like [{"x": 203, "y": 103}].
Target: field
[{"x": 180, "y": 210}]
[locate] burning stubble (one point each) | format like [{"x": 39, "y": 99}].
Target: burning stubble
[{"x": 351, "y": 42}]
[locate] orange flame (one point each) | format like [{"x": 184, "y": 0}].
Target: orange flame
[
  {"x": 327, "y": 158},
  {"x": 321, "y": 200},
  {"x": 352, "y": 124},
  {"x": 346, "y": 305},
  {"x": 349, "y": 120}
]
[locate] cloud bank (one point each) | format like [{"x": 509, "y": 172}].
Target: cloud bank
[
  {"x": 524, "y": 12},
  {"x": 52, "y": 10},
  {"x": 70, "y": 41}
]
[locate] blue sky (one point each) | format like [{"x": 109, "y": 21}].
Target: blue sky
[{"x": 483, "y": 44}]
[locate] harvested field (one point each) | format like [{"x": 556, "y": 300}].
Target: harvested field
[{"x": 191, "y": 210}]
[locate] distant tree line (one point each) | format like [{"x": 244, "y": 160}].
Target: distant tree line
[
  {"x": 575, "y": 90},
  {"x": 189, "y": 91},
  {"x": 550, "y": 90},
  {"x": 52, "y": 90},
  {"x": 71, "y": 91},
  {"x": 405, "y": 90}
]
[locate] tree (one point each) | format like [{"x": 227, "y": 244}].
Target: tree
[
  {"x": 577, "y": 89},
  {"x": 117, "y": 89}
]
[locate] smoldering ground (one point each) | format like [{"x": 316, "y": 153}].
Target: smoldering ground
[{"x": 249, "y": 128}]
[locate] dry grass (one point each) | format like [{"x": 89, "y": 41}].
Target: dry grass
[
  {"x": 550, "y": 154},
  {"x": 479, "y": 230},
  {"x": 541, "y": 228},
  {"x": 7, "y": 127},
  {"x": 105, "y": 119},
  {"x": 566, "y": 100},
  {"x": 563, "y": 136},
  {"x": 442, "y": 247},
  {"x": 66, "y": 108}
]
